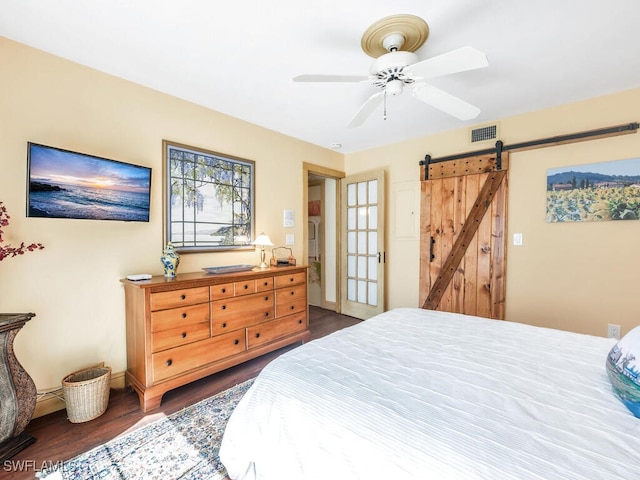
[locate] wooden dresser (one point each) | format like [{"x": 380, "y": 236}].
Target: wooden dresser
[{"x": 184, "y": 328}]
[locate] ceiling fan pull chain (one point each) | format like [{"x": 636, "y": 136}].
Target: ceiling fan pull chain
[{"x": 384, "y": 116}]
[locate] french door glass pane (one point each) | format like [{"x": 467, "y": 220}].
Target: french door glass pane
[
  {"x": 362, "y": 266},
  {"x": 373, "y": 293},
  {"x": 373, "y": 217},
  {"x": 362, "y": 218},
  {"x": 373, "y": 191},
  {"x": 362, "y": 291},
  {"x": 351, "y": 218},
  {"x": 351, "y": 242},
  {"x": 373, "y": 243},
  {"x": 362, "y": 242},
  {"x": 362, "y": 193},
  {"x": 351, "y": 194},
  {"x": 351, "y": 290},
  {"x": 351, "y": 266},
  {"x": 373, "y": 268}
]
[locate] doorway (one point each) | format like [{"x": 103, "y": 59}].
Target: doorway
[{"x": 321, "y": 248}]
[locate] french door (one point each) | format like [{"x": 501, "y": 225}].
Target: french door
[{"x": 362, "y": 244}]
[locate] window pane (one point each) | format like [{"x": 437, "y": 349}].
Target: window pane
[
  {"x": 362, "y": 193},
  {"x": 373, "y": 243},
  {"x": 373, "y": 217},
  {"x": 373, "y": 293},
  {"x": 362, "y": 242},
  {"x": 373, "y": 268},
  {"x": 351, "y": 242},
  {"x": 351, "y": 218},
  {"x": 362, "y": 218},
  {"x": 362, "y": 291},
  {"x": 373, "y": 191},
  {"x": 351, "y": 290},
  {"x": 362, "y": 266},
  {"x": 351, "y": 266},
  {"x": 351, "y": 194}
]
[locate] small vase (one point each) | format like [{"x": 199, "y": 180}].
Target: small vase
[{"x": 170, "y": 259}]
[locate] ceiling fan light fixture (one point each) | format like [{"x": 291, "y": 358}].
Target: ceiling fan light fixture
[{"x": 394, "y": 87}]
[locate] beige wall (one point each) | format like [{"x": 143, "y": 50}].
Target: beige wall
[
  {"x": 73, "y": 285},
  {"x": 571, "y": 276}
]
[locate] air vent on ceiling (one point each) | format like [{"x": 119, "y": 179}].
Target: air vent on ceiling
[{"x": 484, "y": 133}]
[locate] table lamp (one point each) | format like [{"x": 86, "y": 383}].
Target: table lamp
[{"x": 262, "y": 241}]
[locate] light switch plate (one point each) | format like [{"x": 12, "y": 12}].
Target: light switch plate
[
  {"x": 517, "y": 239},
  {"x": 289, "y": 239}
]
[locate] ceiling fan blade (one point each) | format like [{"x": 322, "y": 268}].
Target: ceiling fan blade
[
  {"x": 444, "y": 101},
  {"x": 460, "y": 60},
  {"x": 330, "y": 78},
  {"x": 366, "y": 110}
]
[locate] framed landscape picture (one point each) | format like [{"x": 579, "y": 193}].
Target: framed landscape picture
[{"x": 594, "y": 192}]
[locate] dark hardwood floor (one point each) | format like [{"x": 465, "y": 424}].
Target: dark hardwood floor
[{"x": 58, "y": 439}]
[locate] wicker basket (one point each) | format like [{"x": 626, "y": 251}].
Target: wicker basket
[{"x": 86, "y": 393}]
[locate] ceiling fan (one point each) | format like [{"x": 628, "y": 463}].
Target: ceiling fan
[{"x": 392, "y": 41}]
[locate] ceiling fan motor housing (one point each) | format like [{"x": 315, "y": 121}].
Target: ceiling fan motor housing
[{"x": 390, "y": 67}]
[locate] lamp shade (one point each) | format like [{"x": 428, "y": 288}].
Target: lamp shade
[{"x": 262, "y": 240}]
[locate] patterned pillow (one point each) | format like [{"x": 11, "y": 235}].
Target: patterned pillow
[{"x": 623, "y": 367}]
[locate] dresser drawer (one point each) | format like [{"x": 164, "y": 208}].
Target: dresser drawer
[
  {"x": 176, "y": 361},
  {"x": 264, "y": 284},
  {"x": 224, "y": 290},
  {"x": 291, "y": 300},
  {"x": 178, "y": 317},
  {"x": 269, "y": 331},
  {"x": 175, "y": 337},
  {"x": 245, "y": 287},
  {"x": 240, "y": 312},
  {"x": 176, "y": 298},
  {"x": 292, "y": 279}
]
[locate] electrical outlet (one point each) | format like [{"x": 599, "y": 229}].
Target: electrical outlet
[{"x": 613, "y": 331}]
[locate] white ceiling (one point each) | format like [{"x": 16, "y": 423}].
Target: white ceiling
[{"x": 239, "y": 57}]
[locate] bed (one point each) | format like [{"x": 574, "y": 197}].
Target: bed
[{"x": 420, "y": 394}]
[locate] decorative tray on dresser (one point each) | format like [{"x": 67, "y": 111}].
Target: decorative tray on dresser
[{"x": 184, "y": 328}]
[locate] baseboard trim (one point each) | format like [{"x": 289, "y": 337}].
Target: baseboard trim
[{"x": 52, "y": 401}]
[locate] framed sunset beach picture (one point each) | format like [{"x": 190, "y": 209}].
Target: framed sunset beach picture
[{"x": 66, "y": 184}]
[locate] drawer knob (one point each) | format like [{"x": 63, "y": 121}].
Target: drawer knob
[
  {"x": 236, "y": 341},
  {"x": 293, "y": 293},
  {"x": 291, "y": 279},
  {"x": 300, "y": 321},
  {"x": 224, "y": 325},
  {"x": 182, "y": 297},
  {"x": 266, "y": 299},
  {"x": 266, "y": 314},
  {"x": 224, "y": 307},
  {"x": 184, "y": 315},
  {"x": 224, "y": 290},
  {"x": 246, "y": 286},
  {"x": 258, "y": 335},
  {"x": 292, "y": 307},
  {"x": 184, "y": 334},
  {"x": 266, "y": 283},
  {"x": 169, "y": 362}
]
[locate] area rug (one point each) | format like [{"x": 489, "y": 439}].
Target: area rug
[{"x": 181, "y": 446}]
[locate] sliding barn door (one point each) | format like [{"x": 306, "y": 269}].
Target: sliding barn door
[{"x": 463, "y": 236}]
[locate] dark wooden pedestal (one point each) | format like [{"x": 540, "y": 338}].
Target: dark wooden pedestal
[{"x": 18, "y": 393}]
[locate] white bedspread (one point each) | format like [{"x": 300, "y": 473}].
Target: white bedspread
[{"x": 417, "y": 394}]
